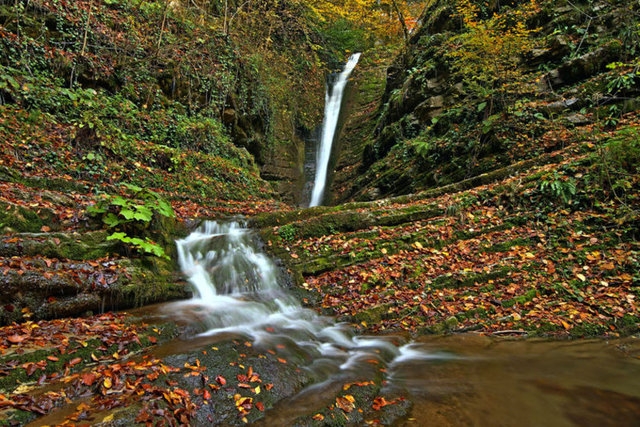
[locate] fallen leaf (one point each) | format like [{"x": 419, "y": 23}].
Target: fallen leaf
[
  {"x": 346, "y": 403},
  {"x": 16, "y": 339}
]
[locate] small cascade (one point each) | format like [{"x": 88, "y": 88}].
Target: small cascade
[
  {"x": 238, "y": 294},
  {"x": 333, "y": 103}
]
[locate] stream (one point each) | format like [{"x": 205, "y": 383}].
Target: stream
[{"x": 450, "y": 380}]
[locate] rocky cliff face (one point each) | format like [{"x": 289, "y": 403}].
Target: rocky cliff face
[{"x": 439, "y": 123}]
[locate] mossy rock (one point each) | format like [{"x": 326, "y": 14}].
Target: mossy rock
[
  {"x": 151, "y": 280},
  {"x": 75, "y": 246},
  {"x": 21, "y": 219}
]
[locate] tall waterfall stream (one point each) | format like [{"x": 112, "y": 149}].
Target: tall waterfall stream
[{"x": 333, "y": 105}]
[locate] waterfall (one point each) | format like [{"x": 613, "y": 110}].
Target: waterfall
[
  {"x": 333, "y": 102},
  {"x": 237, "y": 292}
]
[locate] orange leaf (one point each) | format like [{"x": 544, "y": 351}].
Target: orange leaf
[
  {"x": 74, "y": 361},
  {"x": 608, "y": 266},
  {"x": 346, "y": 403},
  {"x": 16, "y": 339}
]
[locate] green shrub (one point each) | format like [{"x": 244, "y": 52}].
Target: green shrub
[{"x": 130, "y": 216}]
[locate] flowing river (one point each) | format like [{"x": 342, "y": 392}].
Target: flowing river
[
  {"x": 452, "y": 380},
  {"x": 238, "y": 293}
]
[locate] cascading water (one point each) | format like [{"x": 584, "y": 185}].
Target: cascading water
[
  {"x": 238, "y": 293},
  {"x": 333, "y": 103}
]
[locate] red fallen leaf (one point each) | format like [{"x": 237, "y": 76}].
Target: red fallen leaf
[
  {"x": 260, "y": 406},
  {"x": 221, "y": 380},
  {"x": 244, "y": 385},
  {"x": 242, "y": 378},
  {"x": 53, "y": 358},
  {"x": 269, "y": 386},
  {"x": 88, "y": 378},
  {"x": 379, "y": 403},
  {"x": 16, "y": 339},
  {"x": 281, "y": 360},
  {"x": 206, "y": 395},
  {"x": 318, "y": 417},
  {"x": 152, "y": 339},
  {"x": 45, "y": 229},
  {"x": 214, "y": 387}
]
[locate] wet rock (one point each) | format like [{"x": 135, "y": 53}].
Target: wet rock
[
  {"x": 559, "y": 106},
  {"x": 578, "y": 119}
]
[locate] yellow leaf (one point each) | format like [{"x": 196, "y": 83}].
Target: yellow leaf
[
  {"x": 107, "y": 382},
  {"x": 581, "y": 277}
]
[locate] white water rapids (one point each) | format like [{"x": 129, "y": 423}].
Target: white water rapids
[
  {"x": 238, "y": 293},
  {"x": 333, "y": 103}
]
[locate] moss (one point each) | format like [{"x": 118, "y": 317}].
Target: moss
[
  {"x": 373, "y": 315},
  {"x": 506, "y": 246},
  {"x": 20, "y": 219},
  {"x": 76, "y": 246},
  {"x": 587, "y": 330},
  {"x": 528, "y": 296},
  {"x": 151, "y": 280},
  {"x": 17, "y": 418},
  {"x": 627, "y": 325}
]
